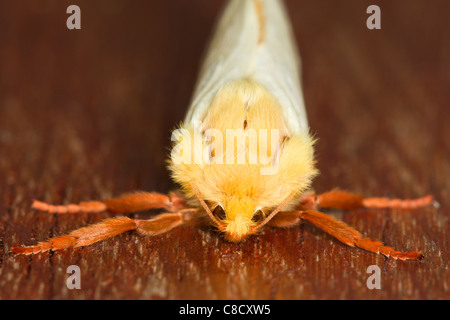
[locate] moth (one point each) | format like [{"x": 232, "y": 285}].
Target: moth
[{"x": 244, "y": 155}]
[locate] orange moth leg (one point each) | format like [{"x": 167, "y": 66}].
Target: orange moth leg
[
  {"x": 351, "y": 237},
  {"x": 81, "y": 237},
  {"x": 285, "y": 219},
  {"x": 168, "y": 221},
  {"x": 109, "y": 228},
  {"x": 130, "y": 202},
  {"x": 398, "y": 203},
  {"x": 161, "y": 224},
  {"x": 339, "y": 199}
]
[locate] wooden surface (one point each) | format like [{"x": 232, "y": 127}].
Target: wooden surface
[{"x": 87, "y": 114}]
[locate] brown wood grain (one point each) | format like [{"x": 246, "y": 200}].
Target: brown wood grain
[{"x": 87, "y": 114}]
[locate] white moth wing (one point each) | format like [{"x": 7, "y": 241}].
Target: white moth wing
[{"x": 253, "y": 40}]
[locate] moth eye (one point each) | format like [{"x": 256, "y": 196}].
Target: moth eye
[
  {"x": 219, "y": 213},
  {"x": 258, "y": 216}
]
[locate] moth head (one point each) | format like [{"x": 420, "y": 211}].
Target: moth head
[
  {"x": 241, "y": 191},
  {"x": 238, "y": 218}
]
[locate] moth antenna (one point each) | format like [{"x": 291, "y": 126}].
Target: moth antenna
[
  {"x": 274, "y": 212},
  {"x": 219, "y": 225}
]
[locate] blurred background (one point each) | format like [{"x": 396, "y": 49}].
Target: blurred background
[{"x": 87, "y": 114}]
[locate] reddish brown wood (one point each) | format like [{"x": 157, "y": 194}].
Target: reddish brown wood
[{"x": 87, "y": 115}]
